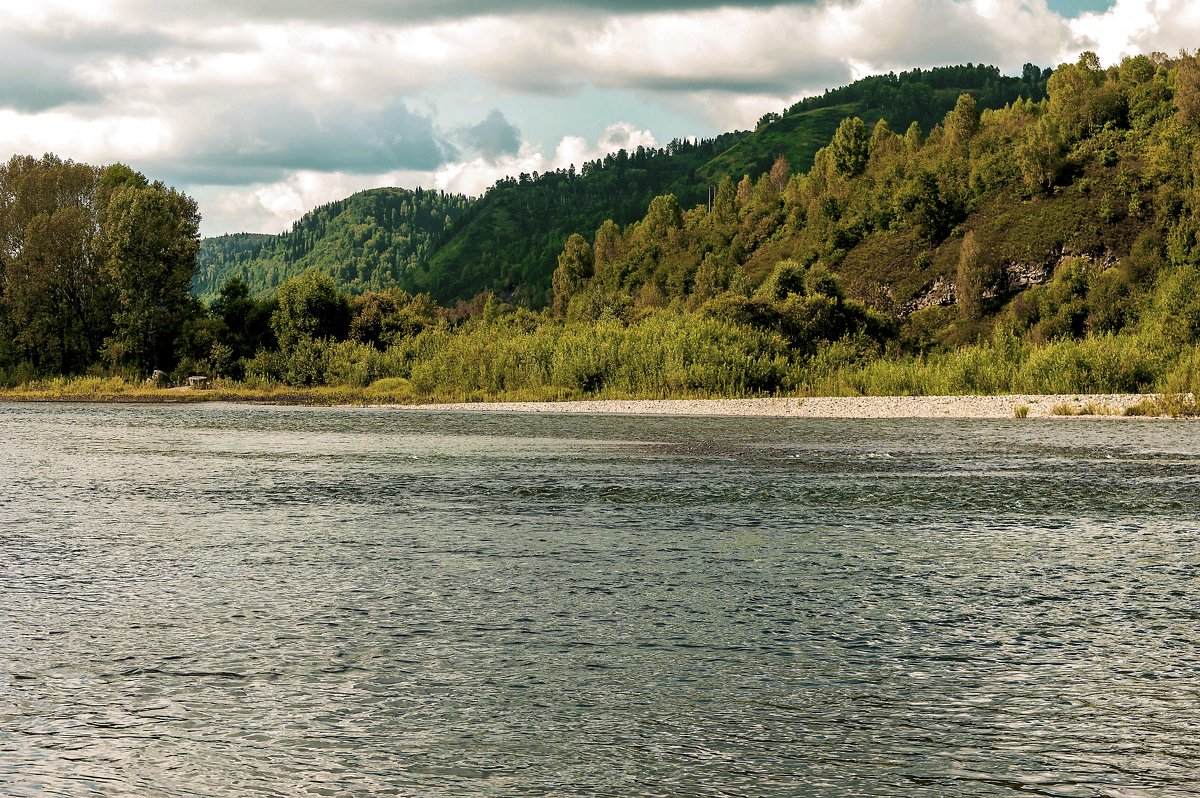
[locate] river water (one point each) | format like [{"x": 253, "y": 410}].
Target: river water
[{"x": 235, "y": 601}]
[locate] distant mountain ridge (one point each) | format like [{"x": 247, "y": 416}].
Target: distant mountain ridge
[
  {"x": 367, "y": 241},
  {"x": 508, "y": 240}
]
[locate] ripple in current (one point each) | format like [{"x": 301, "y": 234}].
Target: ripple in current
[{"x": 227, "y": 601}]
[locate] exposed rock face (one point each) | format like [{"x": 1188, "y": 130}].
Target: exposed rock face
[
  {"x": 1019, "y": 276},
  {"x": 940, "y": 293},
  {"x": 1014, "y": 278}
]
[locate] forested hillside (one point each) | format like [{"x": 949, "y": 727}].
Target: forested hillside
[
  {"x": 1048, "y": 246},
  {"x": 507, "y": 241},
  {"x": 370, "y": 240},
  {"x": 921, "y": 96},
  {"x": 1040, "y": 223}
]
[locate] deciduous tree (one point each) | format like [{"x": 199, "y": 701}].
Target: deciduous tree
[
  {"x": 851, "y": 147},
  {"x": 575, "y": 267},
  {"x": 311, "y": 308},
  {"x": 150, "y": 239}
]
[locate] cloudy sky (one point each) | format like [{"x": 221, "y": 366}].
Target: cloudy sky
[{"x": 262, "y": 109}]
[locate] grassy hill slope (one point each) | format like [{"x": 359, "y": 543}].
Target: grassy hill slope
[{"x": 1068, "y": 219}]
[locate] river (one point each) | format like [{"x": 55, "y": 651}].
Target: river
[{"x": 225, "y": 600}]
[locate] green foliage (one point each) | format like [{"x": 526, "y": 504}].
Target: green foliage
[
  {"x": 55, "y": 298},
  {"x": 975, "y": 279},
  {"x": 788, "y": 277},
  {"x": 1187, "y": 92},
  {"x": 963, "y": 122},
  {"x": 1065, "y": 227},
  {"x": 247, "y": 320},
  {"x": 92, "y": 262},
  {"x": 508, "y": 241},
  {"x": 370, "y": 241},
  {"x": 916, "y": 97},
  {"x": 850, "y": 148},
  {"x": 1175, "y": 405},
  {"x": 384, "y": 318},
  {"x": 665, "y": 354},
  {"x": 1039, "y": 155},
  {"x": 150, "y": 235},
  {"x": 575, "y": 267},
  {"x": 311, "y": 308},
  {"x": 929, "y": 207},
  {"x": 1097, "y": 364},
  {"x": 806, "y": 307}
]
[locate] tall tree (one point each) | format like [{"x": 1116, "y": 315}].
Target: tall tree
[
  {"x": 851, "y": 147},
  {"x": 607, "y": 249},
  {"x": 972, "y": 279},
  {"x": 962, "y": 123},
  {"x": 150, "y": 237},
  {"x": 1187, "y": 92},
  {"x": 912, "y": 138},
  {"x": 780, "y": 173},
  {"x": 52, "y": 295},
  {"x": 575, "y": 266}
]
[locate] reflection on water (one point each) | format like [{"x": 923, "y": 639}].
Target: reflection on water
[{"x": 232, "y": 601}]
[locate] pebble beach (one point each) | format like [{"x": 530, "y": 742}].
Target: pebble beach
[{"x": 1014, "y": 406}]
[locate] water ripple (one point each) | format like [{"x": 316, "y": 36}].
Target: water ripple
[{"x": 230, "y": 601}]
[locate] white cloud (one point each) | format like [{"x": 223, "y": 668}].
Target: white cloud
[
  {"x": 57, "y": 14},
  {"x": 98, "y": 140},
  {"x": 476, "y": 176},
  {"x": 1131, "y": 27},
  {"x": 301, "y": 109},
  {"x": 272, "y": 207}
]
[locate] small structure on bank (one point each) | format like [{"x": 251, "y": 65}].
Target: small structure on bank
[{"x": 197, "y": 382}]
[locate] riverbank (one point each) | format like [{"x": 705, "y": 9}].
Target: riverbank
[
  {"x": 399, "y": 396},
  {"x": 982, "y": 407}
]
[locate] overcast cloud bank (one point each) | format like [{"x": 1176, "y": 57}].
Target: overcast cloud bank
[{"x": 263, "y": 110}]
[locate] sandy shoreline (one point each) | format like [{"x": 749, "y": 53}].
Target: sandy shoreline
[{"x": 1038, "y": 406}]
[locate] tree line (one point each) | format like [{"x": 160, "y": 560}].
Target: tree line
[{"x": 95, "y": 267}]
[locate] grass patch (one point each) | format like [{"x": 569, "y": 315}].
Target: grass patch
[
  {"x": 1172, "y": 405},
  {"x": 1021, "y": 411}
]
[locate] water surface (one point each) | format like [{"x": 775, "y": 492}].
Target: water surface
[{"x": 235, "y": 601}]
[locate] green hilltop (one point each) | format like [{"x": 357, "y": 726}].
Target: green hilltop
[
  {"x": 507, "y": 241},
  {"x": 921, "y": 96},
  {"x": 368, "y": 241}
]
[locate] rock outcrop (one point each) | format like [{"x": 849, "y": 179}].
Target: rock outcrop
[{"x": 1015, "y": 276}]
